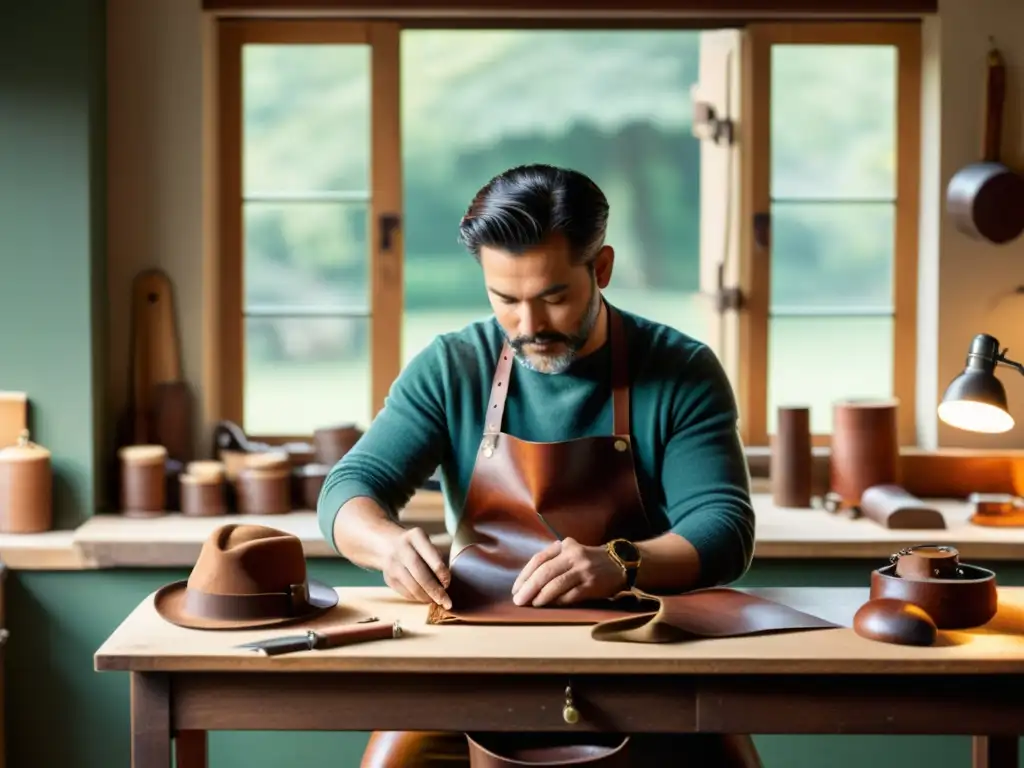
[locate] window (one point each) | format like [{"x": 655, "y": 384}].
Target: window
[
  {"x": 310, "y": 200},
  {"x": 348, "y": 152},
  {"x": 613, "y": 104},
  {"x": 830, "y": 205}
]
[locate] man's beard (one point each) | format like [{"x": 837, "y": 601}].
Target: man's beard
[{"x": 573, "y": 342}]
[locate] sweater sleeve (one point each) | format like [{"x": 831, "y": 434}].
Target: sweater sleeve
[
  {"x": 401, "y": 448},
  {"x": 705, "y": 476}
]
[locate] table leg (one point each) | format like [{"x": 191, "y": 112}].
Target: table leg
[
  {"x": 994, "y": 752},
  {"x": 151, "y": 720},
  {"x": 190, "y": 749}
]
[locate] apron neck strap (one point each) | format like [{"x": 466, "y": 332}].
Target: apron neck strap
[{"x": 620, "y": 381}]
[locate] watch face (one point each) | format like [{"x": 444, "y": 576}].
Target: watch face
[{"x": 626, "y": 551}]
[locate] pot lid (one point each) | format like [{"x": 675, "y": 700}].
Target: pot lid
[{"x": 25, "y": 450}]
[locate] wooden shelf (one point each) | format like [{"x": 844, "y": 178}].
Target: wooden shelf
[{"x": 173, "y": 540}]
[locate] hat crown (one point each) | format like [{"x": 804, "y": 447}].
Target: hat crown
[{"x": 248, "y": 560}]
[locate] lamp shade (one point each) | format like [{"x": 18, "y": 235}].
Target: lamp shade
[{"x": 976, "y": 400}]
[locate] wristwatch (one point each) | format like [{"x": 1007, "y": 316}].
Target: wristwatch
[{"x": 627, "y": 555}]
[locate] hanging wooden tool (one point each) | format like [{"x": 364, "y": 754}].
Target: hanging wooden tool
[
  {"x": 986, "y": 200},
  {"x": 161, "y": 399}
]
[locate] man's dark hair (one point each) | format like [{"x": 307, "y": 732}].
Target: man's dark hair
[{"x": 523, "y": 206}]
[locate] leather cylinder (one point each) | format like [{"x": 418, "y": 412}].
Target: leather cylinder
[
  {"x": 865, "y": 448},
  {"x": 143, "y": 480},
  {"x": 551, "y": 750},
  {"x": 332, "y": 443},
  {"x": 26, "y": 488},
  {"x": 265, "y": 491},
  {"x": 791, "y": 458},
  {"x": 202, "y": 496}
]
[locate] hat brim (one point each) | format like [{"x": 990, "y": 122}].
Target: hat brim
[{"x": 169, "y": 602}]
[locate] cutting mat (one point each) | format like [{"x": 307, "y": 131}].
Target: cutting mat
[{"x": 13, "y": 417}]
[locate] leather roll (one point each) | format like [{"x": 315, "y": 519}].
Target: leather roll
[
  {"x": 865, "y": 448},
  {"x": 791, "y": 458},
  {"x": 551, "y": 750},
  {"x": 968, "y": 601}
]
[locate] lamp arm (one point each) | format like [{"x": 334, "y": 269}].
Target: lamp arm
[{"x": 1003, "y": 360}]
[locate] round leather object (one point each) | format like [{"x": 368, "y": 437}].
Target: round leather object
[
  {"x": 960, "y": 603},
  {"x": 894, "y": 621},
  {"x": 547, "y": 750}
]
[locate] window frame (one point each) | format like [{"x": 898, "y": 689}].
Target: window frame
[
  {"x": 750, "y": 336},
  {"x": 743, "y": 330},
  {"x": 226, "y": 375}
]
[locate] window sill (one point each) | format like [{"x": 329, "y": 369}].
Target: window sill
[
  {"x": 50, "y": 551},
  {"x": 173, "y": 541}
]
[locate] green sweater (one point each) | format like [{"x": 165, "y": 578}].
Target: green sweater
[{"x": 690, "y": 464}]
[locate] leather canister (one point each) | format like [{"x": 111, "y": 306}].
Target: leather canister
[
  {"x": 332, "y": 443},
  {"x": 206, "y": 470},
  {"x": 791, "y": 458},
  {"x": 263, "y": 491},
  {"x": 865, "y": 448},
  {"x": 551, "y": 750},
  {"x": 202, "y": 496},
  {"x": 307, "y": 482},
  {"x": 143, "y": 480},
  {"x": 968, "y": 598},
  {"x": 268, "y": 460},
  {"x": 26, "y": 488}
]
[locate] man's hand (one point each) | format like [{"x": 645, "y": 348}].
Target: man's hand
[
  {"x": 413, "y": 567},
  {"x": 567, "y": 572}
]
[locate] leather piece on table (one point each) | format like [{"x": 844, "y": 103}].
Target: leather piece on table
[{"x": 643, "y": 618}]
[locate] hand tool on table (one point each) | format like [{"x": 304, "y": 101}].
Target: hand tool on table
[{"x": 363, "y": 631}]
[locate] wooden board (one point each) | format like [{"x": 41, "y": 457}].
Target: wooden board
[
  {"x": 13, "y": 417},
  {"x": 146, "y": 642}
]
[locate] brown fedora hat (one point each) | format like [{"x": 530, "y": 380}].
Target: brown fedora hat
[{"x": 247, "y": 576}]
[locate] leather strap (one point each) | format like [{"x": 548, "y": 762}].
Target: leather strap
[
  {"x": 620, "y": 381},
  {"x": 268, "y": 605},
  {"x": 620, "y": 375}
]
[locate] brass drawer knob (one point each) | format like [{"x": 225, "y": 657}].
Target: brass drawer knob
[{"x": 570, "y": 714}]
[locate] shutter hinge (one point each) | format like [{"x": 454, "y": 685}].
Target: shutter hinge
[{"x": 727, "y": 299}]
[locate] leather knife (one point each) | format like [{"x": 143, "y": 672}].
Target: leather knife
[{"x": 362, "y": 631}]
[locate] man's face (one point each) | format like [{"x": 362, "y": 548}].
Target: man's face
[{"x": 546, "y": 305}]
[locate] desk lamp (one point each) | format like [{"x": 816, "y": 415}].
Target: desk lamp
[{"x": 976, "y": 400}]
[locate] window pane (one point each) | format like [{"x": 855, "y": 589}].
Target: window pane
[
  {"x": 304, "y": 373},
  {"x": 832, "y": 255},
  {"x": 833, "y": 121},
  {"x": 613, "y": 104},
  {"x": 306, "y": 118},
  {"x": 306, "y": 111},
  {"x": 833, "y": 140},
  {"x": 815, "y": 361},
  {"x": 307, "y": 255}
]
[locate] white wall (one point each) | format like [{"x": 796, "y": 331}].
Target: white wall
[
  {"x": 974, "y": 277},
  {"x": 155, "y": 188}
]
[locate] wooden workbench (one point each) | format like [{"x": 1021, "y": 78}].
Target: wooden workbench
[{"x": 493, "y": 678}]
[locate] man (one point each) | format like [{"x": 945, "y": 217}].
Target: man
[{"x": 582, "y": 369}]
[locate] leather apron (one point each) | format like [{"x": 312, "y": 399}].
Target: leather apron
[{"x": 521, "y": 493}]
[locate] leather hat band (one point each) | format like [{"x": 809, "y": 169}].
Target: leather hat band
[{"x": 269, "y": 605}]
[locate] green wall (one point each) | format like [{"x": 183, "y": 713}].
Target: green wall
[
  {"x": 58, "y": 620},
  {"x": 51, "y": 233}
]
